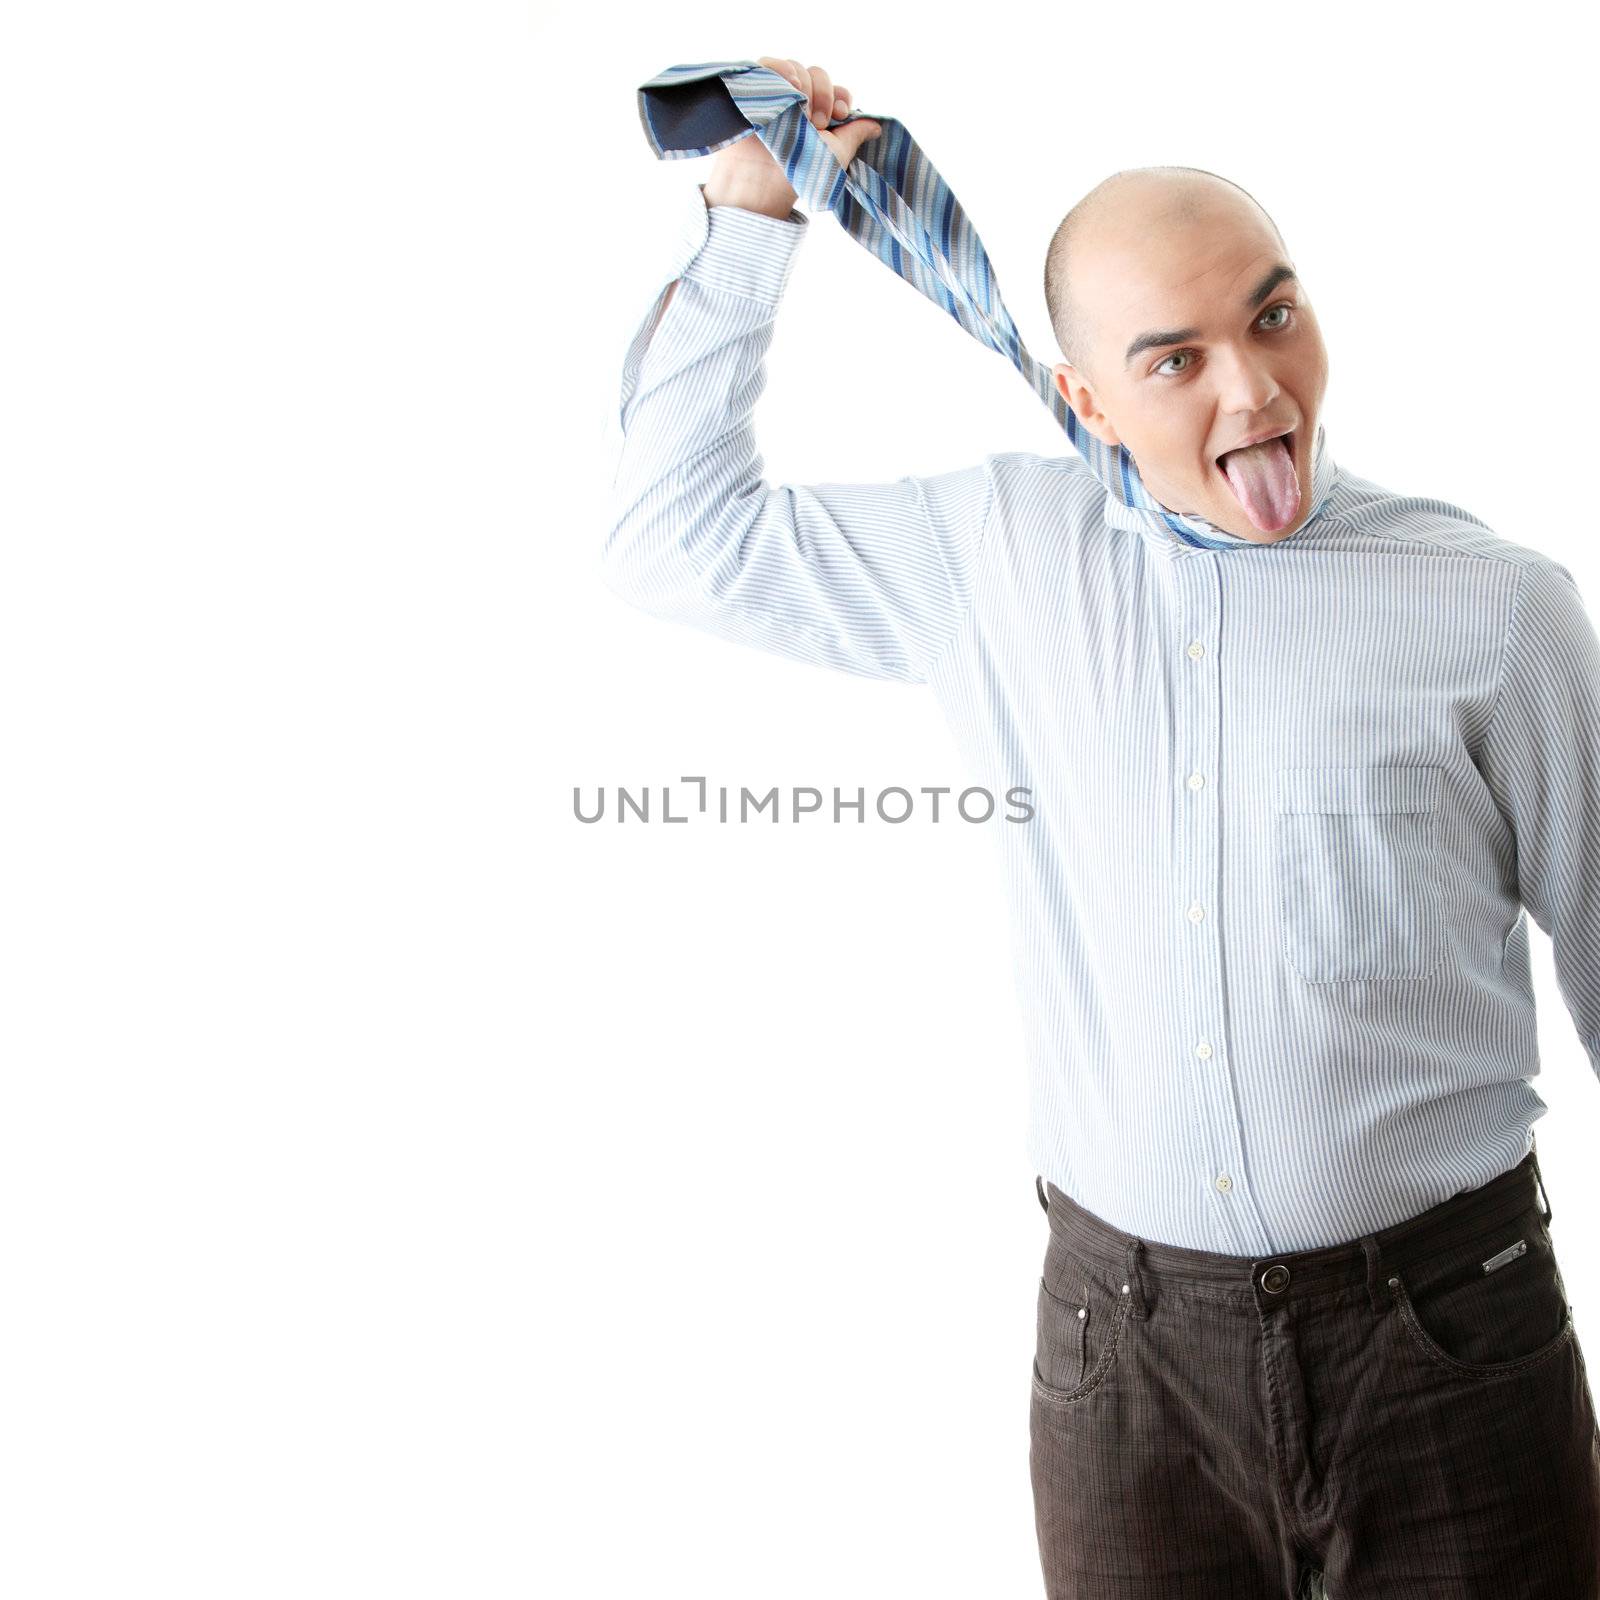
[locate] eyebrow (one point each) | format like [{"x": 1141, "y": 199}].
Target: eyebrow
[{"x": 1159, "y": 338}]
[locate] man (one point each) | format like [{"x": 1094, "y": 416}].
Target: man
[{"x": 1298, "y": 769}]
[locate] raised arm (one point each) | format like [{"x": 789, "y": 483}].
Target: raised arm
[{"x": 872, "y": 579}]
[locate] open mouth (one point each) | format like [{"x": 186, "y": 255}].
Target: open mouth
[
  {"x": 1287, "y": 439},
  {"x": 1265, "y": 481}
]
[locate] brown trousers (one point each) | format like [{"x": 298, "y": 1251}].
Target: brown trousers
[{"x": 1404, "y": 1417}]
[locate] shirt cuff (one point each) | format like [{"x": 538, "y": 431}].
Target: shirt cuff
[{"x": 742, "y": 252}]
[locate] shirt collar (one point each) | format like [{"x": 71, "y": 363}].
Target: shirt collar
[{"x": 1130, "y": 506}]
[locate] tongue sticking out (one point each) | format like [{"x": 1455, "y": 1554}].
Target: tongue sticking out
[{"x": 1264, "y": 482}]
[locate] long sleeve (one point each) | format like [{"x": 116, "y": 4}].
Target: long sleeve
[
  {"x": 872, "y": 579},
  {"x": 1541, "y": 759}
]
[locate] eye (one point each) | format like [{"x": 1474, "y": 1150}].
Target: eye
[{"x": 1285, "y": 306}]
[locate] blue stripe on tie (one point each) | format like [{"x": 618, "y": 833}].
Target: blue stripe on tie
[
  {"x": 1297, "y": 813},
  {"x": 926, "y": 239}
]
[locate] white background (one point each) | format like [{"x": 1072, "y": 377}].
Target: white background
[{"x": 408, "y": 1190}]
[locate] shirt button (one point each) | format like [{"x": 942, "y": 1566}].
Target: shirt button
[
  {"x": 1203, "y": 1050},
  {"x": 1196, "y": 781},
  {"x": 1196, "y": 912},
  {"x": 1196, "y": 650},
  {"x": 1224, "y": 1183}
]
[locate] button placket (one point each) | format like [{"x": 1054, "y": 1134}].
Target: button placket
[{"x": 1199, "y": 759}]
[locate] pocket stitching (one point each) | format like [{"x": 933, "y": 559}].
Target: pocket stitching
[
  {"x": 1102, "y": 1366},
  {"x": 1070, "y": 1305},
  {"x": 1482, "y": 1370},
  {"x": 1079, "y": 1321},
  {"x": 1374, "y": 806}
]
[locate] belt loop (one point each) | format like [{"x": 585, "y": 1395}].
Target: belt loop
[
  {"x": 1369, "y": 1243},
  {"x": 1135, "y": 1281},
  {"x": 1544, "y": 1196},
  {"x": 1038, "y": 1187}
]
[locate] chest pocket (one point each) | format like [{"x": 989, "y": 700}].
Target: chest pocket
[{"x": 1358, "y": 871}]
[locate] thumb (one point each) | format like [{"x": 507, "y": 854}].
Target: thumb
[{"x": 852, "y": 135}]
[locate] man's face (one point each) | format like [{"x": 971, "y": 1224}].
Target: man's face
[{"x": 1248, "y": 358}]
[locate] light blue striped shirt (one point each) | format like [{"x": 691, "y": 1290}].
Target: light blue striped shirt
[{"x": 1291, "y": 798}]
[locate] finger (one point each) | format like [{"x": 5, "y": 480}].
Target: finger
[
  {"x": 821, "y": 97},
  {"x": 855, "y": 134},
  {"x": 784, "y": 69},
  {"x": 841, "y": 100},
  {"x": 801, "y": 79}
]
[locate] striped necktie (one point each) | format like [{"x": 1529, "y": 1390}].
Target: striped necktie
[{"x": 892, "y": 201}]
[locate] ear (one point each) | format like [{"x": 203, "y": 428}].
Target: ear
[{"x": 1076, "y": 391}]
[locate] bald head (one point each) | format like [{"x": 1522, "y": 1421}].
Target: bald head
[{"x": 1135, "y": 205}]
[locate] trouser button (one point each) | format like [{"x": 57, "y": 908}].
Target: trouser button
[{"x": 1275, "y": 1279}]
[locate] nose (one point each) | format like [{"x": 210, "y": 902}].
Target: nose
[{"x": 1248, "y": 386}]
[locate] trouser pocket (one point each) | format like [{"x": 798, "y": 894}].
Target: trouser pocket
[{"x": 1491, "y": 1302}]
